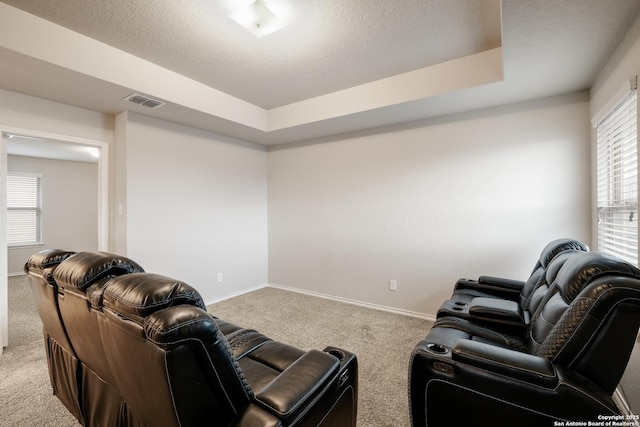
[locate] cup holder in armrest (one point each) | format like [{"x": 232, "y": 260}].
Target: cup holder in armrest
[
  {"x": 437, "y": 348},
  {"x": 337, "y": 353},
  {"x": 458, "y": 306},
  {"x": 453, "y": 307}
]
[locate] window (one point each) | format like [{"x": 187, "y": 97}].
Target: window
[
  {"x": 617, "y": 178},
  {"x": 24, "y": 225}
]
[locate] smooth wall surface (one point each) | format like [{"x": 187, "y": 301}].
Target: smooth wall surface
[
  {"x": 623, "y": 64},
  {"x": 430, "y": 202},
  {"x": 23, "y": 112},
  {"x": 196, "y": 206},
  {"x": 36, "y": 114},
  {"x": 69, "y": 206}
]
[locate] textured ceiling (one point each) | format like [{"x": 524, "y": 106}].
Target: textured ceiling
[
  {"x": 327, "y": 45},
  {"x": 338, "y": 66}
]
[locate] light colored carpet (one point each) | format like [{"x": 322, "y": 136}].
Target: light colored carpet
[{"x": 382, "y": 342}]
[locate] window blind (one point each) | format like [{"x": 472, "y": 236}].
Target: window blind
[
  {"x": 617, "y": 179},
  {"x": 23, "y": 206}
]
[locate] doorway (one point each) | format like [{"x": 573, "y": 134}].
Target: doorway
[{"x": 60, "y": 154}]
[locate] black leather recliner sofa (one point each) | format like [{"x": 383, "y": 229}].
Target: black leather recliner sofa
[
  {"x": 509, "y": 302},
  {"x": 129, "y": 348},
  {"x": 465, "y": 290},
  {"x": 561, "y": 362}
]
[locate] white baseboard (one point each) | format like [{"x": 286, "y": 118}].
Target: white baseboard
[
  {"x": 356, "y": 302},
  {"x": 16, "y": 274},
  {"x": 329, "y": 297},
  {"x": 237, "y": 294}
]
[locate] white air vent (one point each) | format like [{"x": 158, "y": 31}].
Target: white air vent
[{"x": 145, "y": 101}]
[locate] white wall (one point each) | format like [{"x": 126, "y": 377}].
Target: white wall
[
  {"x": 430, "y": 202},
  {"x": 118, "y": 186},
  {"x": 422, "y": 204},
  {"x": 70, "y": 206},
  {"x": 623, "y": 64},
  {"x": 29, "y": 115},
  {"x": 36, "y": 114},
  {"x": 19, "y": 113},
  {"x": 196, "y": 205}
]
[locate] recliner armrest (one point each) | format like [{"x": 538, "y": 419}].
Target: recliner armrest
[
  {"x": 515, "y": 285},
  {"x": 299, "y": 383},
  {"x": 504, "y": 288},
  {"x": 497, "y": 309},
  {"x": 499, "y": 360}
]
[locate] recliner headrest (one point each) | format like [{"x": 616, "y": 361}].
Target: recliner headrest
[
  {"x": 46, "y": 259},
  {"x": 582, "y": 268},
  {"x": 173, "y": 324},
  {"x": 558, "y": 246},
  {"x": 556, "y": 264},
  {"x": 85, "y": 268},
  {"x": 137, "y": 295}
]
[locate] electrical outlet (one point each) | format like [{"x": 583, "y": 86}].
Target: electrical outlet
[
  {"x": 219, "y": 277},
  {"x": 393, "y": 285}
]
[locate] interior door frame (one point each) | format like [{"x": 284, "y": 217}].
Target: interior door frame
[{"x": 103, "y": 207}]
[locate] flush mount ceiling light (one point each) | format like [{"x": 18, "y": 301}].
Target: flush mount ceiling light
[{"x": 258, "y": 19}]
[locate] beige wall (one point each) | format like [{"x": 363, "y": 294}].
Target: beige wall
[
  {"x": 36, "y": 114},
  {"x": 427, "y": 203},
  {"x": 195, "y": 205},
  {"x": 29, "y": 114},
  {"x": 69, "y": 206},
  {"x": 422, "y": 204},
  {"x": 623, "y": 64},
  {"x": 26, "y": 114}
]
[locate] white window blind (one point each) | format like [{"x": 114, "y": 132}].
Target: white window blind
[
  {"x": 24, "y": 209},
  {"x": 617, "y": 179}
]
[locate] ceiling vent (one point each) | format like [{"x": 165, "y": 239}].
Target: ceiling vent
[{"x": 145, "y": 101}]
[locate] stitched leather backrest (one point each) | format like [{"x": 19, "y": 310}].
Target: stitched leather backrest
[
  {"x": 575, "y": 273},
  {"x": 579, "y": 271},
  {"x": 590, "y": 313},
  {"x": 39, "y": 269},
  {"x": 85, "y": 268},
  {"x": 550, "y": 276},
  {"x": 61, "y": 355},
  {"x": 137, "y": 295},
  {"x": 81, "y": 279},
  {"x": 46, "y": 258},
  {"x": 174, "y": 367},
  {"x": 538, "y": 277},
  {"x": 558, "y": 246}
]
